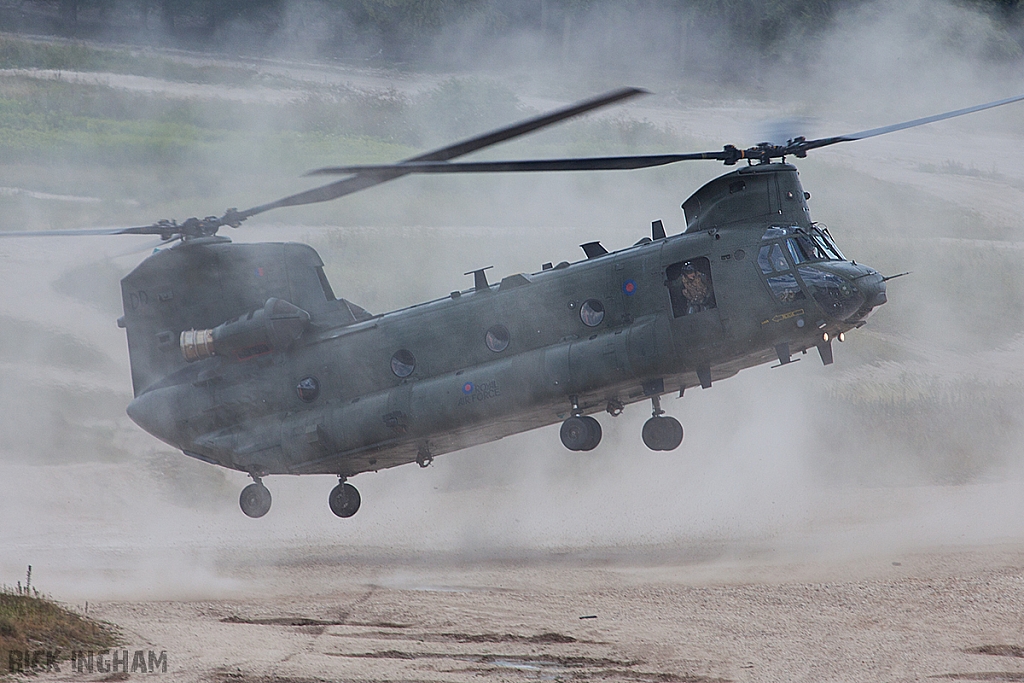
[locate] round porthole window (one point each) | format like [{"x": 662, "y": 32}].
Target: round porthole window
[
  {"x": 592, "y": 312},
  {"x": 403, "y": 363},
  {"x": 308, "y": 389},
  {"x": 497, "y": 338}
]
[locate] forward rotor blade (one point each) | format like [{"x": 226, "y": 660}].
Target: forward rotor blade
[
  {"x": 570, "y": 164},
  {"x": 822, "y": 142},
  {"x": 529, "y": 125},
  {"x": 729, "y": 154},
  {"x": 361, "y": 182}
]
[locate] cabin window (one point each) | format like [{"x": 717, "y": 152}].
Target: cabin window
[
  {"x": 497, "y": 338},
  {"x": 689, "y": 286},
  {"x": 308, "y": 389},
  {"x": 592, "y": 312},
  {"x": 403, "y": 363}
]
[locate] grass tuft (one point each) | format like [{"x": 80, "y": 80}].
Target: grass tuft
[{"x": 32, "y": 621}]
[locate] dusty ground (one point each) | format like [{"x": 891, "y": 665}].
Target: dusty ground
[{"x": 653, "y": 614}]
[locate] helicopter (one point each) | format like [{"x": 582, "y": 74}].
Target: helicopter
[{"x": 243, "y": 356}]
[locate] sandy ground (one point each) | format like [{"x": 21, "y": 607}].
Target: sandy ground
[{"x": 654, "y": 614}]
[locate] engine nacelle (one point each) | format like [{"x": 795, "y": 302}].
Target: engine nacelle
[{"x": 275, "y": 326}]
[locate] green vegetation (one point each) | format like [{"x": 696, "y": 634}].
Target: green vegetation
[
  {"x": 58, "y": 121},
  {"x": 410, "y": 23},
  {"x": 403, "y": 31},
  {"x": 17, "y": 53},
  {"x": 108, "y": 152},
  {"x": 65, "y": 121},
  {"x": 30, "y": 621}
]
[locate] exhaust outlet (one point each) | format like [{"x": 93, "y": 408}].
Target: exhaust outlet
[
  {"x": 197, "y": 345},
  {"x": 275, "y": 326}
]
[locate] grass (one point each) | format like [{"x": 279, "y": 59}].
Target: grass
[
  {"x": 21, "y": 53},
  {"x": 147, "y": 156},
  {"x": 31, "y": 621}
]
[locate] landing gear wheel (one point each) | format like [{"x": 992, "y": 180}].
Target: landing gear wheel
[
  {"x": 344, "y": 500},
  {"x": 662, "y": 433},
  {"x": 580, "y": 433},
  {"x": 255, "y": 500},
  {"x": 595, "y": 433}
]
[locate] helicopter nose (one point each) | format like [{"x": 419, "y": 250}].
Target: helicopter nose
[
  {"x": 834, "y": 290},
  {"x": 872, "y": 286}
]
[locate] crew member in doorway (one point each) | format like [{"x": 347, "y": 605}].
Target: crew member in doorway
[
  {"x": 689, "y": 286},
  {"x": 696, "y": 289}
]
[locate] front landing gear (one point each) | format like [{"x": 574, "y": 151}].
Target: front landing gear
[
  {"x": 255, "y": 499},
  {"x": 344, "y": 499},
  {"x": 580, "y": 433},
  {"x": 661, "y": 432}
]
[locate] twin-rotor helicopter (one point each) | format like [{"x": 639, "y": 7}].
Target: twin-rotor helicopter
[{"x": 243, "y": 355}]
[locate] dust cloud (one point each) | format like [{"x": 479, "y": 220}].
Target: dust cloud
[{"x": 911, "y": 440}]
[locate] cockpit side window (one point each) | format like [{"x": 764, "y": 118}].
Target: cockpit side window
[
  {"x": 773, "y": 263},
  {"x": 771, "y": 258},
  {"x": 785, "y": 288},
  {"x": 798, "y": 251},
  {"x": 689, "y": 286},
  {"x": 778, "y": 259},
  {"x": 802, "y": 248}
]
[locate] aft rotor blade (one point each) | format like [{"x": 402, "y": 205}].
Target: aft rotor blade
[
  {"x": 570, "y": 164},
  {"x": 142, "y": 230},
  {"x": 822, "y": 142},
  {"x": 361, "y": 182}
]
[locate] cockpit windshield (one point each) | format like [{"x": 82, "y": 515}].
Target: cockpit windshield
[
  {"x": 807, "y": 245},
  {"x": 821, "y": 234}
]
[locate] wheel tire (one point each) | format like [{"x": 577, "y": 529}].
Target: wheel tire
[
  {"x": 594, "y": 428},
  {"x": 255, "y": 500},
  {"x": 662, "y": 433},
  {"x": 575, "y": 433},
  {"x": 673, "y": 434},
  {"x": 344, "y": 500},
  {"x": 650, "y": 434}
]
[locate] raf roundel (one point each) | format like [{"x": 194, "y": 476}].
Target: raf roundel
[
  {"x": 467, "y": 388},
  {"x": 629, "y": 287}
]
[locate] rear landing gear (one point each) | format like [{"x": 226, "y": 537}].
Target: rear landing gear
[
  {"x": 344, "y": 499},
  {"x": 255, "y": 499},
  {"x": 661, "y": 432}
]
